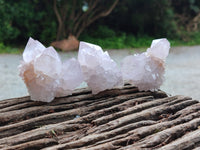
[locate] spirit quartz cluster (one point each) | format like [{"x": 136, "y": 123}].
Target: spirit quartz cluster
[
  {"x": 99, "y": 70},
  {"x": 146, "y": 70},
  {"x": 46, "y": 77}
]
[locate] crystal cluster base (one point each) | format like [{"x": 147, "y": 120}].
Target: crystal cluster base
[
  {"x": 45, "y": 76},
  {"x": 146, "y": 70},
  {"x": 99, "y": 70}
]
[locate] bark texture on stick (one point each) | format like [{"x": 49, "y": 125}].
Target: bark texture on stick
[{"x": 114, "y": 119}]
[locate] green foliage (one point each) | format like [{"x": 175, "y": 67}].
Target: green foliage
[
  {"x": 120, "y": 42},
  {"x": 7, "y": 49},
  {"x": 102, "y": 32},
  {"x": 139, "y": 41},
  {"x": 48, "y": 34},
  {"x": 109, "y": 39},
  {"x": 132, "y": 24},
  {"x": 7, "y": 32},
  {"x": 193, "y": 38},
  {"x": 21, "y": 19},
  {"x": 154, "y": 18}
]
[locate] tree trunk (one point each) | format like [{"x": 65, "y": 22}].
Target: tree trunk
[
  {"x": 114, "y": 119},
  {"x": 193, "y": 24},
  {"x": 59, "y": 32},
  {"x": 61, "y": 23},
  {"x": 80, "y": 27}
]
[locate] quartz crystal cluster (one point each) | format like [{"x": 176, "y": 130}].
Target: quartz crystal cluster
[
  {"x": 146, "y": 70},
  {"x": 99, "y": 70},
  {"x": 45, "y": 76}
]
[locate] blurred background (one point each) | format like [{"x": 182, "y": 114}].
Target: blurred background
[
  {"x": 111, "y": 24},
  {"x": 121, "y": 26}
]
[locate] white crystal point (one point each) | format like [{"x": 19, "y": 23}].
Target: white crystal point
[
  {"x": 41, "y": 73},
  {"x": 99, "y": 70},
  {"x": 32, "y": 49},
  {"x": 44, "y": 74},
  {"x": 71, "y": 77},
  {"x": 146, "y": 70},
  {"x": 48, "y": 63},
  {"x": 159, "y": 48}
]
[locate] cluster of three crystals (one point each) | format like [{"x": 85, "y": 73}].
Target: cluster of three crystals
[{"x": 46, "y": 77}]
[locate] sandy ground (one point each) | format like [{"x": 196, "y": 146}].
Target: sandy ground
[{"x": 182, "y": 72}]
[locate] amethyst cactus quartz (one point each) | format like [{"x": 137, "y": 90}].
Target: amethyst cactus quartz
[
  {"x": 99, "y": 70},
  {"x": 146, "y": 70},
  {"x": 46, "y": 77}
]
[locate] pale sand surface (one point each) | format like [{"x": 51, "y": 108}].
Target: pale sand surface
[{"x": 182, "y": 72}]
